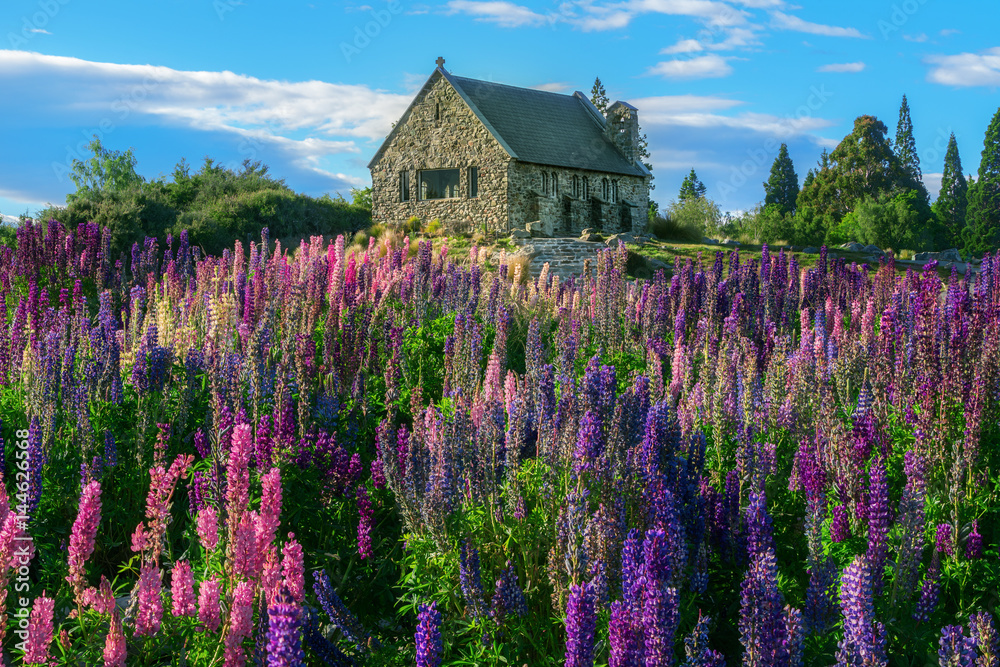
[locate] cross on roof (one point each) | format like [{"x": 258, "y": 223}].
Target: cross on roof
[{"x": 440, "y": 61}]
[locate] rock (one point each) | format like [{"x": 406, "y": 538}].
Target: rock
[
  {"x": 528, "y": 251},
  {"x": 925, "y": 256},
  {"x": 591, "y": 237},
  {"x": 731, "y": 243},
  {"x": 587, "y": 231},
  {"x": 537, "y": 229},
  {"x": 853, "y": 246},
  {"x": 707, "y": 241},
  {"x": 520, "y": 234},
  {"x": 873, "y": 250},
  {"x": 615, "y": 239},
  {"x": 950, "y": 255},
  {"x": 656, "y": 265},
  {"x": 811, "y": 250}
]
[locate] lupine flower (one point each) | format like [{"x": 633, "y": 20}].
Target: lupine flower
[
  {"x": 470, "y": 578},
  {"x": 929, "y": 589},
  {"x": 840, "y": 528},
  {"x": 240, "y": 624},
  {"x": 209, "y": 614},
  {"x": 956, "y": 650},
  {"x": 292, "y": 569},
  {"x": 944, "y": 542},
  {"x": 581, "y": 623},
  {"x": 878, "y": 522},
  {"x": 39, "y": 639},
  {"x": 182, "y": 589},
  {"x": 625, "y": 641},
  {"x": 147, "y": 620},
  {"x": 338, "y": 614},
  {"x": 974, "y": 543},
  {"x": 697, "y": 650},
  {"x": 762, "y": 615},
  {"x": 81, "y": 540},
  {"x": 115, "y": 650},
  {"x": 208, "y": 528},
  {"x": 364, "y": 523},
  {"x": 660, "y": 615},
  {"x": 863, "y": 642},
  {"x": 984, "y": 634},
  {"x": 759, "y": 531},
  {"x": 284, "y": 640}
]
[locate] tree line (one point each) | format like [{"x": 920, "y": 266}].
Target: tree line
[{"x": 868, "y": 189}]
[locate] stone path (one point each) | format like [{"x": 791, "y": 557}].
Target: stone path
[{"x": 564, "y": 255}]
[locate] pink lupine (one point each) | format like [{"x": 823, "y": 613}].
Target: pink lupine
[
  {"x": 81, "y": 540},
  {"x": 147, "y": 620},
  {"x": 101, "y": 600},
  {"x": 245, "y": 559},
  {"x": 238, "y": 474},
  {"x": 293, "y": 569},
  {"x": 115, "y": 649},
  {"x": 208, "y": 604},
  {"x": 36, "y": 650},
  {"x": 270, "y": 577},
  {"x": 148, "y": 538},
  {"x": 364, "y": 523},
  {"x": 208, "y": 528},
  {"x": 182, "y": 590},
  {"x": 240, "y": 624},
  {"x": 269, "y": 519}
]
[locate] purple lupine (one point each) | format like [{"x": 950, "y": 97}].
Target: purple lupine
[
  {"x": 633, "y": 569},
  {"x": 762, "y": 616},
  {"x": 581, "y": 624},
  {"x": 759, "y": 531},
  {"x": 428, "y": 636},
  {"x": 956, "y": 650},
  {"x": 660, "y": 616},
  {"x": 339, "y": 614},
  {"x": 470, "y": 578},
  {"x": 930, "y": 587},
  {"x": 508, "y": 597},
  {"x": 863, "y": 642},
  {"x": 878, "y": 522},
  {"x": 984, "y": 634},
  {"x": 944, "y": 540},
  {"x": 364, "y": 523},
  {"x": 284, "y": 634},
  {"x": 840, "y": 527},
  {"x": 625, "y": 645},
  {"x": 697, "y": 650},
  {"x": 974, "y": 543}
]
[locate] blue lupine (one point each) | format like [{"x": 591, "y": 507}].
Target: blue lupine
[
  {"x": 863, "y": 642},
  {"x": 470, "y": 578},
  {"x": 284, "y": 634},
  {"x": 508, "y": 598},
  {"x": 955, "y": 649},
  {"x": 697, "y": 650},
  {"x": 428, "y": 636},
  {"x": 581, "y": 624}
]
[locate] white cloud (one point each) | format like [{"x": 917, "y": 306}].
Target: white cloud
[
  {"x": 555, "y": 87},
  {"x": 711, "y": 66},
  {"x": 842, "y": 67},
  {"x": 966, "y": 69},
  {"x": 699, "y": 112},
  {"x": 39, "y": 31},
  {"x": 8, "y": 219},
  {"x": 503, "y": 13},
  {"x": 948, "y": 32},
  {"x": 932, "y": 182},
  {"x": 788, "y": 22},
  {"x": 683, "y": 46},
  {"x": 919, "y": 39}
]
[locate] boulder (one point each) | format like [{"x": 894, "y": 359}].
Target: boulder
[
  {"x": 520, "y": 234},
  {"x": 707, "y": 241},
  {"x": 657, "y": 264},
  {"x": 811, "y": 250},
  {"x": 853, "y": 246},
  {"x": 874, "y": 250},
  {"x": 537, "y": 229},
  {"x": 591, "y": 237},
  {"x": 925, "y": 256},
  {"x": 528, "y": 251},
  {"x": 615, "y": 239},
  {"x": 731, "y": 243},
  {"x": 587, "y": 231},
  {"x": 950, "y": 255}
]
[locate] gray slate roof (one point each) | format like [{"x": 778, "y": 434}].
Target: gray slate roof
[{"x": 545, "y": 128}]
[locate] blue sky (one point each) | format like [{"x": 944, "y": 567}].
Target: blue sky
[{"x": 312, "y": 88}]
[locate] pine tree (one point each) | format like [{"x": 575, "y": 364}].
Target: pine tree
[
  {"x": 691, "y": 188},
  {"x": 952, "y": 202},
  {"x": 906, "y": 148},
  {"x": 782, "y": 188},
  {"x": 599, "y": 97},
  {"x": 983, "y": 216}
]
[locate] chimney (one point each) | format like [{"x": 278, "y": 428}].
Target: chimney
[{"x": 622, "y": 128}]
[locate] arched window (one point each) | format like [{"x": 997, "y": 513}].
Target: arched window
[
  {"x": 586, "y": 187},
  {"x": 576, "y": 186},
  {"x": 437, "y": 111},
  {"x": 555, "y": 184},
  {"x": 614, "y": 191},
  {"x": 545, "y": 182},
  {"x": 605, "y": 193}
]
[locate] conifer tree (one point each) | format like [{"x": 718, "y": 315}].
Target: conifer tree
[
  {"x": 691, "y": 188},
  {"x": 983, "y": 216},
  {"x": 599, "y": 97},
  {"x": 782, "y": 188},
  {"x": 906, "y": 148},
  {"x": 952, "y": 202}
]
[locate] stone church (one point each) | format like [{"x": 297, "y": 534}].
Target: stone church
[{"x": 484, "y": 156}]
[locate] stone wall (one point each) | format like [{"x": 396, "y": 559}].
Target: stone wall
[
  {"x": 567, "y": 215},
  {"x": 455, "y": 140}
]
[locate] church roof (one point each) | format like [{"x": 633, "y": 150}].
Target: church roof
[{"x": 540, "y": 127}]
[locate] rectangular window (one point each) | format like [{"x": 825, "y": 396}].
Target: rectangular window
[
  {"x": 404, "y": 186},
  {"x": 438, "y": 183},
  {"x": 473, "y": 182}
]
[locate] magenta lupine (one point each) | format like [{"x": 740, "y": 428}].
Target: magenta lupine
[
  {"x": 209, "y": 614},
  {"x": 238, "y": 474},
  {"x": 182, "y": 589},
  {"x": 364, "y": 523},
  {"x": 208, "y": 528},
  {"x": 863, "y": 642},
  {"x": 269, "y": 517},
  {"x": 150, "y": 614},
  {"x": 246, "y": 560},
  {"x": 115, "y": 649},
  {"x": 83, "y": 536},
  {"x": 240, "y": 624},
  {"x": 36, "y": 651},
  {"x": 581, "y": 624},
  {"x": 293, "y": 569}
]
